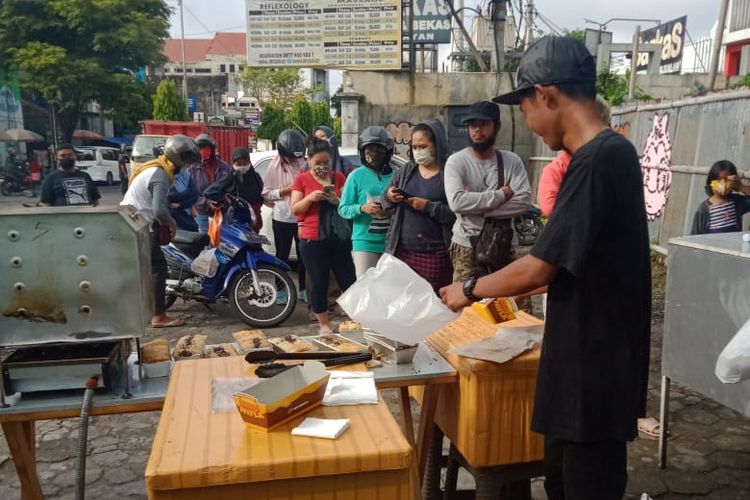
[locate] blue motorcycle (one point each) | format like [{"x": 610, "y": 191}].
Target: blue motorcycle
[{"x": 256, "y": 284}]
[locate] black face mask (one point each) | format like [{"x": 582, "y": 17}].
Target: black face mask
[{"x": 67, "y": 163}]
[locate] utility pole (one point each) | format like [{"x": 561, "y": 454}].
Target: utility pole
[
  {"x": 529, "y": 38},
  {"x": 184, "y": 72},
  {"x": 718, "y": 39},
  {"x": 634, "y": 62},
  {"x": 499, "y": 12}
]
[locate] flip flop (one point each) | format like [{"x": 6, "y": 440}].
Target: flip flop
[
  {"x": 175, "y": 322},
  {"x": 649, "y": 428}
]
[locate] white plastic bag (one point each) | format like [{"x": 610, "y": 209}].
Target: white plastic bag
[
  {"x": 206, "y": 264},
  {"x": 733, "y": 365},
  {"x": 395, "y": 301}
]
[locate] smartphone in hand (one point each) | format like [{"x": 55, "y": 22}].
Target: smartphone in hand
[{"x": 329, "y": 190}]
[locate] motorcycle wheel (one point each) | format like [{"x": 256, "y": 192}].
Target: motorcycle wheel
[
  {"x": 275, "y": 304},
  {"x": 30, "y": 191},
  {"x": 528, "y": 229},
  {"x": 5, "y": 188}
]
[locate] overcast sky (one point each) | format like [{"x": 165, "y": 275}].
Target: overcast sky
[{"x": 202, "y": 17}]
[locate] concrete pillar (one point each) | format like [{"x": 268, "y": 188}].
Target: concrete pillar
[{"x": 349, "y": 113}]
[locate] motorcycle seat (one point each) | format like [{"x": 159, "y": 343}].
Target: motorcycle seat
[{"x": 191, "y": 238}]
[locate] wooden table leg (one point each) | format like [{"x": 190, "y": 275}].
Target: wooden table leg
[
  {"x": 407, "y": 424},
  {"x": 426, "y": 422},
  {"x": 21, "y": 438}
]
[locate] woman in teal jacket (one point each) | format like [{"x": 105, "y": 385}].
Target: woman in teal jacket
[{"x": 362, "y": 200}]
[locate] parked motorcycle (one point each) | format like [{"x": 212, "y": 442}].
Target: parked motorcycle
[
  {"x": 17, "y": 180},
  {"x": 256, "y": 284},
  {"x": 528, "y": 226}
]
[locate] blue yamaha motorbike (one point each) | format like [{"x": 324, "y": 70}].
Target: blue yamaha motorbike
[{"x": 256, "y": 284}]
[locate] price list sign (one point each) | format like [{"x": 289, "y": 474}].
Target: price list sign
[{"x": 345, "y": 34}]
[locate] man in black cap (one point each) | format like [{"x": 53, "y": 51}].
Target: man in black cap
[
  {"x": 473, "y": 190},
  {"x": 594, "y": 255}
]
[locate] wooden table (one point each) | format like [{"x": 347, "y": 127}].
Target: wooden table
[
  {"x": 429, "y": 370},
  {"x": 19, "y": 420},
  {"x": 200, "y": 455},
  {"x": 487, "y": 414}
]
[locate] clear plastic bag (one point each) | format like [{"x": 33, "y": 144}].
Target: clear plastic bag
[
  {"x": 393, "y": 300},
  {"x": 206, "y": 264},
  {"x": 733, "y": 364}
]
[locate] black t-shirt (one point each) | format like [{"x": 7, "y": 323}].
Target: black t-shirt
[
  {"x": 593, "y": 374},
  {"x": 61, "y": 189}
]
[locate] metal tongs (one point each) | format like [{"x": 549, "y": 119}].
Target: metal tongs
[{"x": 268, "y": 369}]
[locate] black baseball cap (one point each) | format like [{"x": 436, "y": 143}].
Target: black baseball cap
[
  {"x": 552, "y": 60},
  {"x": 482, "y": 110}
]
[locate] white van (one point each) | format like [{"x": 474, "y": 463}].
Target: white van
[{"x": 101, "y": 163}]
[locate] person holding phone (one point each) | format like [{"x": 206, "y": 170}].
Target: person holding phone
[
  {"x": 362, "y": 199},
  {"x": 421, "y": 227},
  {"x": 324, "y": 248}
]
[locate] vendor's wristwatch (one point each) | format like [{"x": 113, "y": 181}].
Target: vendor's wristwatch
[{"x": 469, "y": 285}]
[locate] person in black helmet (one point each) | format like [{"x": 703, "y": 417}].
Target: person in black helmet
[
  {"x": 244, "y": 183},
  {"x": 277, "y": 191},
  {"x": 147, "y": 193},
  {"x": 362, "y": 199},
  {"x": 206, "y": 171},
  {"x": 594, "y": 255}
]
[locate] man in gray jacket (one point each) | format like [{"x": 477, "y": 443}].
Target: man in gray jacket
[{"x": 472, "y": 188}]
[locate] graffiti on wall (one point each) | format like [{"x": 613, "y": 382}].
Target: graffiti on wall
[
  {"x": 656, "y": 165},
  {"x": 401, "y": 133}
]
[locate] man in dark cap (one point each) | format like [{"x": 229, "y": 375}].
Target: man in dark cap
[
  {"x": 474, "y": 190},
  {"x": 594, "y": 255}
]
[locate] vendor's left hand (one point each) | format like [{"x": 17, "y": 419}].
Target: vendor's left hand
[
  {"x": 214, "y": 205},
  {"x": 418, "y": 204},
  {"x": 453, "y": 296}
]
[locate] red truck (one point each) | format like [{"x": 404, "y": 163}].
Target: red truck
[{"x": 227, "y": 138}]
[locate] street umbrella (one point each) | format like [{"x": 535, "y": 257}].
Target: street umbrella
[
  {"x": 20, "y": 135},
  {"x": 87, "y": 135}
]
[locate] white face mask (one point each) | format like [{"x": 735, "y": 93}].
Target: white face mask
[
  {"x": 423, "y": 156},
  {"x": 241, "y": 168}
]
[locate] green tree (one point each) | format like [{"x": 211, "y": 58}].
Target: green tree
[
  {"x": 336, "y": 100},
  {"x": 472, "y": 66},
  {"x": 168, "y": 102},
  {"x": 76, "y": 51},
  {"x": 577, "y": 34},
  {"x": 321, "y": 113},
  {"x": 273, "y": 120},
  {"x": 271, "y": 85},
  {"x": 614, "y": 88},
  {"x": 301, "y": 115},
  {"x": 337, "y": 128}
]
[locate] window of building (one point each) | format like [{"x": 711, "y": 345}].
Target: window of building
[
  {"x": 231, "y": 68},
  {"x": 202, "y": 70},
  {"x": 188, "y": 70},
  {"x": 166, "y": 70},
  {"x": 222, "y": 68}
]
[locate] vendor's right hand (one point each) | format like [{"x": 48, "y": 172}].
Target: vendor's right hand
[
  {"x": 214, "y": 205},
  {"x": 394, "y": 195},
  {"x": 318, "y": 195},
  {"x": 371, "y": 209}
]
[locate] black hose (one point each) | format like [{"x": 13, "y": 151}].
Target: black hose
[{"x": 83, "y": 434}]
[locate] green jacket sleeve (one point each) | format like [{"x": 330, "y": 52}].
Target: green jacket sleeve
[{"x": 349, "y": 204}]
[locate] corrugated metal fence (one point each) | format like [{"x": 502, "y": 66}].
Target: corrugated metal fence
[{"x": 678, "y": 141}]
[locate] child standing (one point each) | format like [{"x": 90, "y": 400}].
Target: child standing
[{"x": 728, "y": 201}]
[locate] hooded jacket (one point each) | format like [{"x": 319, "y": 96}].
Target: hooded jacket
[
  {"x": 338, "y": 162},
  {"x": 439, "y": 211}
]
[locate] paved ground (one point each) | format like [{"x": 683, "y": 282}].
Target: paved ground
[{"x": 709, "y": 456}]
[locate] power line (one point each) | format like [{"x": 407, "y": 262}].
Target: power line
[
  {"x": 228, "y": 28},
  {"x": 229, "y": 51}
]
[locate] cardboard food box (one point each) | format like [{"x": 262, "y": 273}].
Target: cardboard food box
[
  {"x": 279, "y": 399},
  {"x": 496, "y": 311}
]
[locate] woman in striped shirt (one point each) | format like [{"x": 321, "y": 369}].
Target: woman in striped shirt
[{"x": 728, "y": 201}]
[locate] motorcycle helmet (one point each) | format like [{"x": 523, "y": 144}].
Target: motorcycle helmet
[
  {"x": 291, "y": 144},
  {"x": 182, "y": 151},
  {"x": 375, "y": 134},
  {"x": 205, "y": 140}
]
